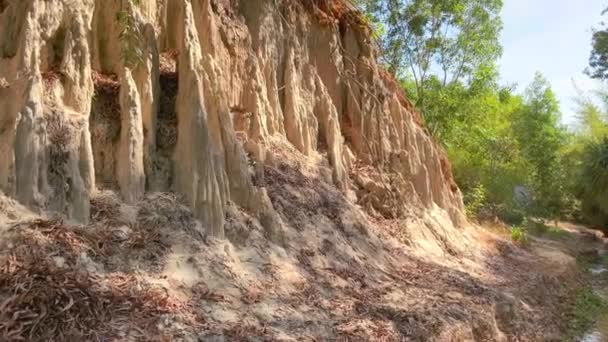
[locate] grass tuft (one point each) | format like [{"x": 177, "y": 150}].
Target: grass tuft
[{"x": 588, "y": 307}]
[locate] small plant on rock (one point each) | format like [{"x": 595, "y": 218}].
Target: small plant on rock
[{"x": 130, "y": 35}]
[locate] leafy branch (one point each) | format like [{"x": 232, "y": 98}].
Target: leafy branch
[{"x": 130, "y": 34}]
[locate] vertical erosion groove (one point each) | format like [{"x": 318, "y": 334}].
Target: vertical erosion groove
[{"x": 275, "y": 71}]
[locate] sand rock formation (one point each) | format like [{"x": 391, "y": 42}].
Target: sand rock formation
[
  {"x": 186, "y": 96},
  {"x": 249, "y": 173}
]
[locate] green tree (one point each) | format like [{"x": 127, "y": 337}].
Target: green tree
[
  {"x": 595, "y": 182},
  {"x": 485, "y": 153},
  {"x": 458, "y": 103},
  {"x": 442, "y": 41},
  {"x": 598, "y": 62},
  {"x": 589, "y": 158},
  {"x": 444, "y": 53},
  {"x": 541, "y": 139}
]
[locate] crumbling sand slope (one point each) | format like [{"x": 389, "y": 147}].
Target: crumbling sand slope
[
  {"x": 150, "y": 271},
  {"x": 186, "y": 96}
]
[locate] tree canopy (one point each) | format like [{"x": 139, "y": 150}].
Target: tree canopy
[
  {"x": 511, "y": 155},
  {"x": 436, "y": 42},
  {"x": 598, "y": 61}
]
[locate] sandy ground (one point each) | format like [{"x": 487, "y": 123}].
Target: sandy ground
[{"x": 330, "y": 273}]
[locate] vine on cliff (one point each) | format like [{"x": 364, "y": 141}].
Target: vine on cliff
[{"x": 130, "y": 34}]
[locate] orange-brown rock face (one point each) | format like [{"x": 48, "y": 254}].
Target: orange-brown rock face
[{"x": 186, "y": 96}]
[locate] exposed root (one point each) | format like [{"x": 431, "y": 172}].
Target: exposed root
[
  {"x": 335, "y": 11},
  {"x": 124, "y": 243},
  {"x": 395, "y": 88},
  {"x": 105, "y": 82},
  {"x": 105, "y": 208}
]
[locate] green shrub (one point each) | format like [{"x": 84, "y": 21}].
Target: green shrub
[
  {"x": 518, "y": 235},
  {"x": 475, "y": 200},
  {"x": 512, "y": 215}
]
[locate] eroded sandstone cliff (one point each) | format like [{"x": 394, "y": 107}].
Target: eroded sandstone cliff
[
  {"x": 188, "y": 96},
  {"x": 248, "y": 173}
]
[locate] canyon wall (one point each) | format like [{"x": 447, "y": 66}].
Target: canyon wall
[{"x": 187, "y": 96}]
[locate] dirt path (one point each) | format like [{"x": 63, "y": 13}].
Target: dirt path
[
  {"x": 559, "y": 274},
  {"x": 593, "y": 257}
]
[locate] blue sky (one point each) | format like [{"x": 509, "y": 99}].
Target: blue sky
[{"x": 553, "y": 37}]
